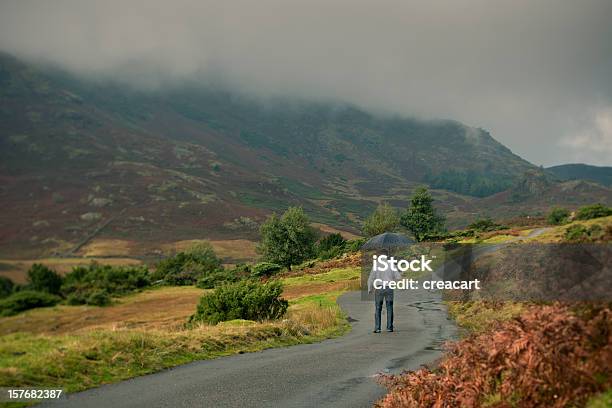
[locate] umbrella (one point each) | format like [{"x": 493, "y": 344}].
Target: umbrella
[{"x": 387, "y": 240}]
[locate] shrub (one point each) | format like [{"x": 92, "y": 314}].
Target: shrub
[
  {"x": 43, "y": 279},
  {"x": 6, "y": 286},
  {"x": 354, "y": 245},
  {"x": 331, "y": 241},
  {"x": 221, "y": 276},
  {"x": 558, "y": 216},
  {"x": 185, "y": 268},
  {"x": 331, "y": 253},
  {"x": 83, "y": 282},
  {"x": 593, "y": 211},
  {"x": 580, "y": 233},
  {"x": 98, "y": 298},
  {"x": 74, "y": 299},
  {"x": 265, "y": 269},
  {"x": 248, "y": 299},
  {"x": 331, "y": 246},
  {"x": 25, "y": 300},
  {"x": 484, "y": 225}
]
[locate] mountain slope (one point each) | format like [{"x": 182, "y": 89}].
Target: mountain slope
[
  {"x": 80, "y": 159},
  {"x": 601, "y": 175}
]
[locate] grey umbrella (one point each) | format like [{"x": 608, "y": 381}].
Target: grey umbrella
[{"x": 387, "y": 240}]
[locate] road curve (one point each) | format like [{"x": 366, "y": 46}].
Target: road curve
[{"x": 334, "y": 373}]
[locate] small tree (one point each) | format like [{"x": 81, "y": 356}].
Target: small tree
[
  {"x": 384, "y": 219},
  {"x": 289, "y": 239},
  {"x": 421, "y": 217},
  {"x": 43, "y": 279},
  {"x": 558, "y": 216}
]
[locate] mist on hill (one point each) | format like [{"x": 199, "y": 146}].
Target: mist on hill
[{"x": 535, "y": 74}]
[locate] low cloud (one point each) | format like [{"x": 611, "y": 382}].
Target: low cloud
[
  {"x": 593, "y": 143},
  {"x": 525, "y": 70}
]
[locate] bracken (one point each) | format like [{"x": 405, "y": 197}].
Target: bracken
[{"x": 550, "y": 356}]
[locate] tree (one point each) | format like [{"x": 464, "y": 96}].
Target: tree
[
  {"x": 384, "y": 219},
  {"x": 43, "y": 279},
  {"x": 289, "y": 239},
  {"x": 421, "y": 218},
  {"x": 558, "y": 216}
]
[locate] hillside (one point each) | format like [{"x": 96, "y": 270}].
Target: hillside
[
  {"x": 597, "y": 174},
  {"x": 82, "y": 159}
]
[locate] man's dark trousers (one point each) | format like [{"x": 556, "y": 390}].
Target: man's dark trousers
[{"x": 386, "y": 295}]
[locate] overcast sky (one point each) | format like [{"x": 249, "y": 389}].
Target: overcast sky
[{"x": 536, "y": 74}]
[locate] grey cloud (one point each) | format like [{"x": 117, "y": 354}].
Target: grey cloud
[{"x": 535, "y": 73}]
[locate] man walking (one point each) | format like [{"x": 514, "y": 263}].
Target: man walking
[{"x": 379, "y": 278}]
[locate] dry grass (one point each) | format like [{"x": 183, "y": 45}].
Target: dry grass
[
  {"x": 556, "y": 234},
  {"x": 87, "y": 358},
  {"x": 163, "y": 308},
  {"x": 308, "y": 289},
  {"x": 166, "y": 308},
  {"x": 477, "y": 316},
  {"x": 79, "y": 347},
  {"x": 109, "y": 247}
]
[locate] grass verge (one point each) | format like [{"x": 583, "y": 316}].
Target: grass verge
[{"x": 87, "y": 358}]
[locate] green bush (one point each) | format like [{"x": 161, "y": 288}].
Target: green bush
[
  {"x": 593, "y": 211},
  {"x": 580, "y": 233},
  {"x": 75, "y": 299},
  {"x": 6, "y": 286},
  {"x": 25, "y": 300},
  {"x": 43, "y": 279},
  {"x": 185, "y": 268},
  {"x": 247, "y": 299},
  {"x": 576, "y": 233},
  {"x": 218, "y": 277},
  {"x": 265, "y": 269},
  {"x": 331, "y": 241},
  {"x": 454, "y": 236},
  {"x": 83, "y": 282},
  {"x": 331, "y": 246},
  {"x": 98, "y": 298},
  {"x": 484, "y": 225},
  {"x": 354, "y": 245},
  {"x": 558, "y": 216},
  {"x": 331, "y": 253}
]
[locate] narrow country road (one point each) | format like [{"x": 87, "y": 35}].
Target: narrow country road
[{"x": 334, "y": 373}]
